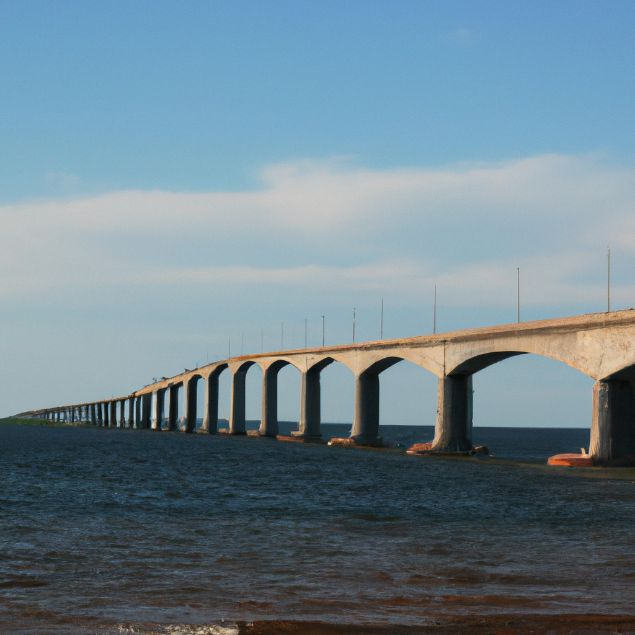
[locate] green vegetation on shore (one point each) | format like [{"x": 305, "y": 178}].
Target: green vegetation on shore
[{"x": 24, "y": 421}]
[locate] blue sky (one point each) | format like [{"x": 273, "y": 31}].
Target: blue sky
[{"x": 175, "y": 174}]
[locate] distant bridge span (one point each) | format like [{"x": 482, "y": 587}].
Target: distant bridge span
[{"x": 600, "y": 345}]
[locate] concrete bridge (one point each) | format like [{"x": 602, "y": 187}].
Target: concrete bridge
[{"x": 602, "y": 346}]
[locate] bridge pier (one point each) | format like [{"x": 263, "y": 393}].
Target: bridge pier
[
  {"x": 188, "y": 422},
  {"x": 237, "y": 408},
  {"x": 106, "y": 415},
  {"x": 310, "y": 414},
  {"x": 269, "y": 418},
  {"x": 146, "y": 407},
  {"x": 130, "y": 418},
  {"x": 613, "y": 425},
  {"x": 453, "y": 429},
  {"x": 366, "y": 416},
  {"x": 122, "y": 413},
  {"x": 173, "y": 409},
  {"x": 158, "y": 407},
  {"x": 113, "y": 414},
  {"x": 137, "y": 413},
  {"x": 210, "y": 404}
]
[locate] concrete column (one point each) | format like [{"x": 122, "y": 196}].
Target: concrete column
[
  {"x": 269, "y": 417},
  {"x": 366, "y": 416},
  {"x": 92, "y": 414},
  {"x": 107, "y": 422},
  {"x": 210, "y": 406},
  {"x": 613, "y": 426},
  {"x": 100, "y": 417},
  {"x": 453, "y": 430},
  {"x": 158, "y": 407},
  {"x": 188, "y": 421},
  {"x": 130, "y": 419},
  {"x": 310, "y": 414},
  {"x": 146, "y": 414},
  {"x": 173, "y": 412},
  {"x": 113, "y": 414},
  {"x": 137, "y": 412},
  {"x": 122, "y": 413},
  {"x": 237, "y": 408}
]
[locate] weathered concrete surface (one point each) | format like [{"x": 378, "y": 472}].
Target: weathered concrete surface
[{"x": 601, "y": 345}]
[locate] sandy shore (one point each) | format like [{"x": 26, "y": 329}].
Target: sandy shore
[{"x": 500, "y": 624}]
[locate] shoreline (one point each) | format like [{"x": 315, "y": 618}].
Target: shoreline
[
  {"x": 506, "y": 623},
  {"x": 501, "y": 624}
]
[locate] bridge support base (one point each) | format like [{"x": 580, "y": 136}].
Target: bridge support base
[
  {"x": 613, "y": 426},
  {"x": 237, "y": 408},
  {"x": 366, "y": 417},
  {"x": 310, "y": 411},
  {"x": 269, "y": 419},
  {"x": 210, "y": 405},
  {"x": 453, "y": 430}
]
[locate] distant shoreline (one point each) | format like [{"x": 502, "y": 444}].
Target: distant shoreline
[{"x": 23, "y": 421}]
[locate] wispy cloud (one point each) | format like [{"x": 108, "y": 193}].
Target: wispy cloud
[
  {"x": 461, "y": 36},
  {"x": 330, "y": 222}
]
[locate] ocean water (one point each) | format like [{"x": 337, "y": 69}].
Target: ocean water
[{"x": 129, "y": 531}]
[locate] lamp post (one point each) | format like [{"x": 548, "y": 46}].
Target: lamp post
[
  {"x": 608, "y": 279},
  {"x": 381, "y": 320},
  {"x": 323, "y": 329},
  {"x": 434, "y": 311},
  {"x": 517, "y": 294},
  {"x": 353, "y": 325}
]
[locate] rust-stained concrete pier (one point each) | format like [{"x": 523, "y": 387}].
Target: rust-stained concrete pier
[{"x": 601, "y": 345}]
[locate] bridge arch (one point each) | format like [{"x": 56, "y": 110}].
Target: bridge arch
[
  {"x": 584, "y": 352},
  {"x": 366, "y": 420},
  {"x": 456, "y": 400},
  {"x": 310, "y": 424},
  {"x": 211, "y": 398},
  {"x": 238, "y": 405},
  {"x": 190, "y": 402},
  {"x": 269, "y": 418}
]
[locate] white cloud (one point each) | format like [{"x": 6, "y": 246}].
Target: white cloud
[
  {"x": 461, "y": 35},
  {"x": 335, "y": 225}
]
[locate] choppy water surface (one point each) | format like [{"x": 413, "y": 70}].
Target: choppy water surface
[{"x": 107, "y": 527}]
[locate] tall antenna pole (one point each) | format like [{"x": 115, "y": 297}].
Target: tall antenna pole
[
  {"x": 381, "y": 321},
  {"x": 608, "y": 279},
  {"x": 281, "y": 335},
  {"x": 306, "y": 331},
  {"x": 262, "y": 341},
  {"x": 229, "y": 347},
  {"x": 242, "y": 343},
  {"x": 353, "y": 325},
  {"x": 434, "y": 311},
  {"x": 517, "y": 294},
  {"x": 322, "y": 330}
]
